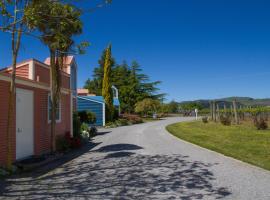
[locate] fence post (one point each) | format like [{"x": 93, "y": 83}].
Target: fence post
[
  {"x": 218, "y": 114},
  {"x": 214, "y": 111},
  {"x": 211, "y": 110},
  {"x": 235, "y": 112}
]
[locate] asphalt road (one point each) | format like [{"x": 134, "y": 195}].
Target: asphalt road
[{"x": 142, "y": 162}]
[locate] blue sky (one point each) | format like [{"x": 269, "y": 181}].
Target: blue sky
[{"x": 198, "y": 49}]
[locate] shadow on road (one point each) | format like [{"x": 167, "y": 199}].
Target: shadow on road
[
  {"x": 119, "y": 147},
  {"x": 119, "y": 174},
  {"x": 103, "y": 132}
]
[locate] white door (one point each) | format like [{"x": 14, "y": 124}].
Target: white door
[{"x": 24, "y": 123}]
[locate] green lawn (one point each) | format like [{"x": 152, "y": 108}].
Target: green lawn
[{"x": 243, "y": 142}]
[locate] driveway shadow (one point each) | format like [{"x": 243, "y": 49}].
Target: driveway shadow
[
  {"x": 120, "y": 175},
  {"x": 118, "y": 147},
  {"x": 103, "y": 132}
]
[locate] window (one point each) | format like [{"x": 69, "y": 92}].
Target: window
[{"x": 58, "y": 110}]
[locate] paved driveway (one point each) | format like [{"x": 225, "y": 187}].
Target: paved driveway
[{"x": 143, "y": 162}]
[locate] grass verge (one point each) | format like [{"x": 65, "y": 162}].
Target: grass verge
[{"x": 243, "y": 142}]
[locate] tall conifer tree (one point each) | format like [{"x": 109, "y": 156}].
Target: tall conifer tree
[{"x": 107, "y": 85}]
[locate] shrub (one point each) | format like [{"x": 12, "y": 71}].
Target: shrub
[
  {"x": 76, "y": 125},
  {"x": 87, "y": 117},
  {"x": 134, "y": 119},
  {"x": 3, "y": 172},
  {"x": 161, "y": 115},
  {"x": 205, "y": 120},
  {"x": 84, "y": 127},
  {"x": 63, "y": 143},
  {"x": 115, "y": 113},
  {"x": 85, "y": 135},
  {"x": 225, "y": 120},
  {"x": 126, "y": 119},
  {"x": 260, "y": 124},
  {"x": 76, "y": 143},
  {"x": 92, "y": 131},
  {"x": 111, "y": 125},
  {"x": 122, "y": 122},
  {"x": 147, "y": 106}
]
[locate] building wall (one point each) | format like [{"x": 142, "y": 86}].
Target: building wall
[
  {"x": 65, "y": 81},
  {"x": 43, "y": 139},
  {"x": 4, "y": 87},
  {"x": 41, "y": 123},
  {"x": 21, "y": 71},
  {"x": 91, "y": 106},
  {"x": 42, "y": 74}
]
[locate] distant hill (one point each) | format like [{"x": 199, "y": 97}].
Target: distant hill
[{"x": 241, "y": 101}]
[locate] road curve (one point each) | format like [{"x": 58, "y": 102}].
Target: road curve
[{"x": 143, "y": 162}]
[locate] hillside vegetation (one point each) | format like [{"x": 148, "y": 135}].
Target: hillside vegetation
[{"x": 241, "y": 101}]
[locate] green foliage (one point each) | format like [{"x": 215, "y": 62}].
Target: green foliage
[
  {"x": 95, "y": 85},
  {"x": 62, "y": 144},
  {"x": 87, "y": 117},
  {"x": 171, "y": 107},
  {"x": 127, "y": 119},
  {"x": 204, "y": 111},
  {"x": 122, "y": 122},
  {"x": 191, "y": 106},
  {"x": 132, "y": 119},
  {"x": 226, "y": 119},
  {"x": 88, "y": 132},
  {"x": 92, "y": 131},
  {"x": 84, "y": 127},
  {"x": 4, "y": 172},
  {"x": 132, "y": 84},
  {"x": 76, "y": 124},
  {"x": 107, "y": 92},
  {"x": 147, "y": 106},
  {"x": 91, "y": 117},
  {"x": 205, "y": 120},
  {"x": 56, "y": 34},
  {"x": 260, "y": 123}
]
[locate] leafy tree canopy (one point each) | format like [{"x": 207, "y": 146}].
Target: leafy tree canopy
[
  {"x": 132, "y": 83},
  {"x": 171, "y": 107},
  {"x": 147, "y": 106},
  {"x": 191, "y": 106}
]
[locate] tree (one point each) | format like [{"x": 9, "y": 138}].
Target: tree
[
  {"x": 13, "y": 22},
  {"x": 133, "y": 85},
  {"x": 57, "y": 23},
  {"x": 171, "y": 107},
  {"x": 191, "y": 106},
  {"x": 95, "y": 85},
  {"x": 147, "y": 106},
  {"x": 107, "y": 92}
]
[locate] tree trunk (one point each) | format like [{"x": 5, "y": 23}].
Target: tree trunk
[
  {"x": 10, "y": 122},
  {"x": 53, "y": 100},
  {"x": 15, "y": 43},
  {"x": 55, "y": 76}
]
